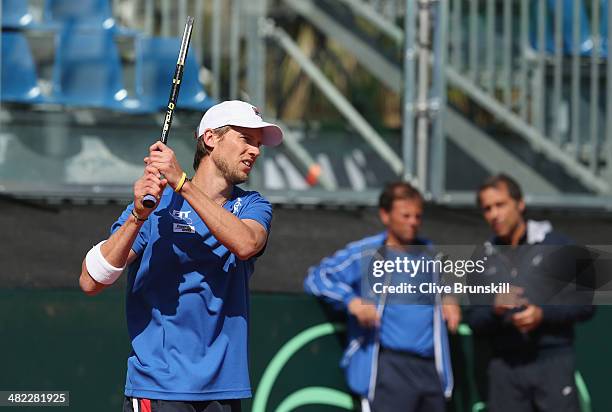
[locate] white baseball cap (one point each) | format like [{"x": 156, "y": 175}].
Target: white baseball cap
[{"x": 243, "y": 114}]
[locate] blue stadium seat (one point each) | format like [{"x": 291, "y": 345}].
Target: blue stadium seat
[
  {"x": 19, "y": 79},
  {"x": 155, "y": 63},
  {"x": 82, "y": 13},
  {"x": 586, "y": 41},
  {"x": 15, "y": 14},
  {"x": 87, "y": 70}
]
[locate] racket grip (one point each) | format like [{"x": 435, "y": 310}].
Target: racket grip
[{"x": 149, "y": 201}]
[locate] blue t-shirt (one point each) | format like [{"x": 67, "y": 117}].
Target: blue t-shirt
[
  {"x": 407, "y": 321},
  {"x": 188, "y": 304}
]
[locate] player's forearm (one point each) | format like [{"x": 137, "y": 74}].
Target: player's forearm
[
  {"x": 234, "y": 234},
  {"x": 117, "y": 248},
  {"x": 116, "y": 251}
]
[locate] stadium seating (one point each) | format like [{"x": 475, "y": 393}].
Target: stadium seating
[
  {"x": 155, "y": 63},
  {"x": 19, "y": 78},
  {"x": 15, "y": 14},
  {"x": 82, "y": 13},
  {"x": 87, "y": 69}
]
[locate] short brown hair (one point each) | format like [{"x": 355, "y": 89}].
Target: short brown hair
[
  {"x": 395, "y": 191},
  {"x": 501, "y": 180},
  {"x": 201, "y": 149}
]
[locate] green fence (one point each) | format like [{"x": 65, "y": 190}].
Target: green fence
[{"x": 63, "y": 340}]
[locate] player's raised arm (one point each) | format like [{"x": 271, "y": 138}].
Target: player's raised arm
[{"x": 105, "y": 261}]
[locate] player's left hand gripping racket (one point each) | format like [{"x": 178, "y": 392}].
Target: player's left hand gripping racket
[{"x": 149, "y": 201}]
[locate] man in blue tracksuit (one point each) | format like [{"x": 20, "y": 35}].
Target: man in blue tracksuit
[
  {"x": 397, "y": 358},
  {"x": 531, "y": 330}
]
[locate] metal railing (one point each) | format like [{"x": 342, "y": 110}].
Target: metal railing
[
  {"x": 534, "y": 65},
  {"x": 541, "y": 67}
]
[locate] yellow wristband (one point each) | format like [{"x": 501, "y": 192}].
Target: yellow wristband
[{"x": 181, "y": 183}]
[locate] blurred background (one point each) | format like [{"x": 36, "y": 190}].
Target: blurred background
[{"x": 441, "y": 93}]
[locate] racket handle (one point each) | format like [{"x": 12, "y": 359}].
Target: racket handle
[{"x": 149, "y": 201}]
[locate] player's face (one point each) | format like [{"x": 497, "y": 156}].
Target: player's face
[
  {"x": 503, "y": 213},
  {"x": 403, "y": 220},
  {"x": 237, "y": 152}
]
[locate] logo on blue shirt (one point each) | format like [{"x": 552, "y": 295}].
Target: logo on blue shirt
[
  {"x": 182, "y": 215},
  {"x": 237, "y": 205}
]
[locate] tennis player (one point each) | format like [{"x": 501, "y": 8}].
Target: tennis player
[{"x": 188, "y": 262}]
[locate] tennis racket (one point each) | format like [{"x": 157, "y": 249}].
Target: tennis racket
[{"x": 149, "y": 201}]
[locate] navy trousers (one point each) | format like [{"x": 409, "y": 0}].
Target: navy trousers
[{"x": 407, "y": 383}]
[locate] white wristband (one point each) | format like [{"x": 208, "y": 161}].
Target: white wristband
[{"x": 99, "y": 269}]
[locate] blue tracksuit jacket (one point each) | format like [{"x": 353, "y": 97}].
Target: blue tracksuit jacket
[{"x": 337, "y": 280}]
